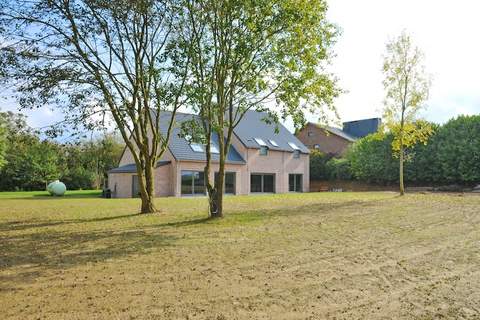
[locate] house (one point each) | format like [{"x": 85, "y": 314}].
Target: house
[
  {"x": 335, "y": 141},
  {"x": 259, "y": 160}
]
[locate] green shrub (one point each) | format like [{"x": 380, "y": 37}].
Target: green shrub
[
  {"x": 457, "y": 149},
  {"x": 371, "y": 159},
  {"x": 339, "y": 169},
  {"x": 318, "y": 161},
  {"x": 452, "y": 155}
]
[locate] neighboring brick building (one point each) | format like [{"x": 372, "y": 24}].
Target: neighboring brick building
[{"x": 335, "y": 141}]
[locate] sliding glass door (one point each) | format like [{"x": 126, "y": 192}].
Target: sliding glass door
[
  {"x": 295, "y": 182},
  {"x": 193, "y": 183},
  {"x": 262, "y": 183}
]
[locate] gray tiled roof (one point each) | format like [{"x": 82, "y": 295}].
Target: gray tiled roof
[
  {"x": 252, "y": 126},
  {"x": 182, "y": 150},
  {"x": 131, "y": 168}
]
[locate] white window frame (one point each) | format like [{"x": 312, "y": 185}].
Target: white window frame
[
  {"x": 197, "y": 147},
  {"x": 273, "y": 143},
  {"x": 293, "y": 146},
  {"x": 260, "y": 141}
]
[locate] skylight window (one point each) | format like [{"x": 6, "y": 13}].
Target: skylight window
[
  {"x": 196, "y": 147},
  {"x": 213, "y": 148},
  {"x": 260, "y": 141},
  {"x": 273, "y": 143},
  {"x": 293, "y": 146}
]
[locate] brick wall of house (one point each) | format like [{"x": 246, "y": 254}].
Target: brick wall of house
[
  {"x": 277, "y": 162},
  {"x": 168, "y": 177}
]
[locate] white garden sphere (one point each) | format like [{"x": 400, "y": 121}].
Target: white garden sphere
[{"x": 56, "y": 188}]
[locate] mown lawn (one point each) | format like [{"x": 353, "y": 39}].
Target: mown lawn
[
  {"x": 46, "y": 195},
  {"x": 295, "y": 256}
]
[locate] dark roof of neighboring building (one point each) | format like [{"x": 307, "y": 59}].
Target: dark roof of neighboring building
[
  {"x": 362, "y": 128},
  {"x": 253, "y": 126},
  {"x": 130, "y": 168}
]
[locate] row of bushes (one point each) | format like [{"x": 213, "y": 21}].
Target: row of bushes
[{"x": 452, "y": 155}]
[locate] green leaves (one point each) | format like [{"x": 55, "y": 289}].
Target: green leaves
[
  {"x": 3, "y": 141},
  {"x": 31, "y": 161},
  {"x": 411, "y": 134},
  {"x": 457, "y": 147},
  {"x": 452, "y": 154},
  {"x": 405, "y": 80},
  {"x": 249, "y": 53},
  {"x": 371, "y": 159}
]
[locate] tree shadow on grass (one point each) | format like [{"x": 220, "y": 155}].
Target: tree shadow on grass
[
  {"x": 52, "y": 250},
  {"x": 34, "y": 223}
]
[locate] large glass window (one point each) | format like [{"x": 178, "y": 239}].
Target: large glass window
[
  {"x": 295, "y": 182},
  {"x": 268, "y": 183},
  {"x": 262, "y": 183},
  {"x": 193, "y": 183},
  {"x": 256, "y": 183},
  {"x": 229, "y": 182},
  {"x": 135, "y": 187},
  {"x": 198, "y": 182}
]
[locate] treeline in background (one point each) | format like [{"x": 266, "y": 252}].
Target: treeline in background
[
  {"x": 450, "y": 156},
  {"x": 29, "y": 162}
]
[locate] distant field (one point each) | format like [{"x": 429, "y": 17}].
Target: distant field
[
  {"x": 45, "y": 194},
  {"x": 294, "y": 256}
]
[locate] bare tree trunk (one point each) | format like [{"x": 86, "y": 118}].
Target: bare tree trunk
[
  {"x": 145, "y": 181},
  {"x": 211, "y": 189},
  {"x": 402, "y": 186},
  {"x": 402, "y": 151},
  {"x": 147, "y": 205},
  {"x": 218, "y": 197},
  {"x": 220, "y": 186}
]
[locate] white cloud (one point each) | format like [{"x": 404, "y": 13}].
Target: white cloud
[{"x": 446, "y": 31}]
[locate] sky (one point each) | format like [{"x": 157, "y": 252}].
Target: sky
[{"x": 448, "y": 32}]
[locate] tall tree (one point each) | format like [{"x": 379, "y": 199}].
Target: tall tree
[
  {"x": 407, "y": 86},
  {"x": 94, "y": 58},
  {"x": 30, "y": 162},
  {"x": 263, "y": 55},
  {"x": 86, "y": 162},
  {"x": 41, "y": 163},
  {"x": 3, "y": 140}
]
